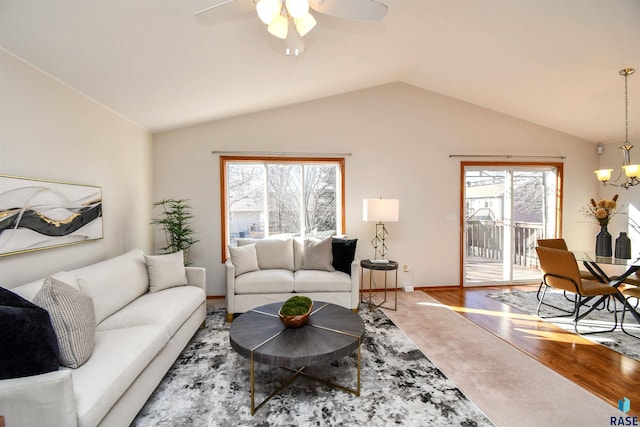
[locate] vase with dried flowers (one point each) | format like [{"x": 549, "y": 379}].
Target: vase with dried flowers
[{"x": 602, "y": 211}]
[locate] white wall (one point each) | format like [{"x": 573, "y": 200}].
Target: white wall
[
  {"x": 50, "y": 131},
  {"x": 401, "y": 138}
]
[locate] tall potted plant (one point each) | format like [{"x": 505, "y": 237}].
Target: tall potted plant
[{"x": 175, "y": 221}]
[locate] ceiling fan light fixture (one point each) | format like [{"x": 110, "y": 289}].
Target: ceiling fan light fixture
[
  {"x": 297, "y": 8},
  {"x": 267, "y": 10},
  {"x": 295, "y": 44},
  {"x": 279, "y": 27},
  {"x": 305, "y": 24}
]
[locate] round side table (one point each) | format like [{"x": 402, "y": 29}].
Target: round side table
[{"x": 379, "y": 266}]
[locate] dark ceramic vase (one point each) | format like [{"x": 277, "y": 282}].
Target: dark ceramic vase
[
  {"x": 603, "y": 243},
  {"x": 623, "y": 246}
]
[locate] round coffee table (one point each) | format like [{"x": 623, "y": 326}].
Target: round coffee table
[{"x": 331, "y": 333}]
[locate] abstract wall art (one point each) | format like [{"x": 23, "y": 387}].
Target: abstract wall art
[{"x": 39, "y": 214}]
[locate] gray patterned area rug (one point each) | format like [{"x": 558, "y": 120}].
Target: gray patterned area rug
[
  {"x": 617, "y": 340},
  {"x": 209, "y": 386}
]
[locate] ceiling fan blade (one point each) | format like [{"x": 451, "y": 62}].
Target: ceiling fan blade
[
  {"x": 225, "y": 11},
  {"x": 222, "y": 3},
  {"x": 362, "y": 10}
]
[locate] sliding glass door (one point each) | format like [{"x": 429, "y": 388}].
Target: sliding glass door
[{"x": 506, "y": 209}]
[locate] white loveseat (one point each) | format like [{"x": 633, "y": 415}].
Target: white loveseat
[
  {"x": 262, "y": 271},
  {"x": 143, "y": 320}
]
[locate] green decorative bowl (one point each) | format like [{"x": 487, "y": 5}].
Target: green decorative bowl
[{"x": 295, "y": 321}]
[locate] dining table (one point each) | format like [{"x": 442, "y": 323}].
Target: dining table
[{"x": 594, "y": 264}]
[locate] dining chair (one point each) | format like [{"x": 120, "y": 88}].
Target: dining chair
[
  {"x": 560, "y": 271},
  {"x": 559, "y": 243},
  {"x": 634, "y": 279},
  {"x": 629, "y": 293}
]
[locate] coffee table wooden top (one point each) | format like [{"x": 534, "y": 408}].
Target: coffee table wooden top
[{"x": 331, "y": 333}]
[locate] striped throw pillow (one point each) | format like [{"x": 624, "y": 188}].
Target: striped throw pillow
[{"x": 73, "y": 318}]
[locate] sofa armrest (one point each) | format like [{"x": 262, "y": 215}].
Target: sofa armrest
[
  {"x": 39, "y": 400},
  {"x": 356, "y": 271},
  {"x": 230, "y": 272},
  {"x": 197, "y": 276}
]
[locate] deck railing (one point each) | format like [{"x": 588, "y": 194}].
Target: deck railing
[{"x": 485, "y": 239}]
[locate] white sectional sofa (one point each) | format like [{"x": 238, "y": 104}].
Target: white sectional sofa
[
  {"x": 262, "y": 271},
  {"x": 147, "y": 308}
]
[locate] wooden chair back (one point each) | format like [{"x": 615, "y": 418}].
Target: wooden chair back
[
  {"x": 553, "y": 243},
  {"x": 560, "y": 269}
]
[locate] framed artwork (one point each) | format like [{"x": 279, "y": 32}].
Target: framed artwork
[{"x": 39, "y": 214}]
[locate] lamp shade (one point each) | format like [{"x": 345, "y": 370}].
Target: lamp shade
[
  {"x": 268, "y": 9},
  {"x": 632, "y": 171},
  {"x": 297, "y": 8},
  {"x": 603, "y": 174},
  {"x": 279, "y": 27},
  {"x": 387, "y": 210},
  {"x": 305, "y": 24}
]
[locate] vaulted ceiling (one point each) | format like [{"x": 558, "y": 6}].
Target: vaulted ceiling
[{"x": 551, "y": 62}]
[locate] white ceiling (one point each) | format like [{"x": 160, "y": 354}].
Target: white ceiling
[{"x": 552, "y": 62}]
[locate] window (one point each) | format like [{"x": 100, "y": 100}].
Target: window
[{"x": 269, "y": 196}]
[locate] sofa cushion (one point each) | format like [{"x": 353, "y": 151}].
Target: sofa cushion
[
  {"x": 322, "y": 281},
  {"x": 169, "y": 308},
  {"x": 28, "y": 344},
  {"x": 317, "y": 255},
  {"x": 29, "y": 290},
  {"x": 73, "y": 319},
  {"x": 119, "y": 356},
  {"x": 165, "y": 271},
  {"x": 344, "y": 252},
  {"x": 265, "y": 282},
  {"x": 272, "y": 253},
  {"x": 244, "y": 258},
  {"x": 114, "y": 283}
]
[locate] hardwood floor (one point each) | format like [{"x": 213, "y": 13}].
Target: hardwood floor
[{"x": 599, "y": 370}]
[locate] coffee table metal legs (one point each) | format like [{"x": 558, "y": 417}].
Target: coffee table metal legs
[{"x": 297, "y": 372}]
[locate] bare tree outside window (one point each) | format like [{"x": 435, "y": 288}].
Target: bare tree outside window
[
  {"x": 320, "y": 198},
  {"x": 528, "y": 195},
  {"x": 283, "y": 190}
]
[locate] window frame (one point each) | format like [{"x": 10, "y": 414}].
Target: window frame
[
  {"x": 224, "y": 160},
  {"x": 559, "y": 166}
]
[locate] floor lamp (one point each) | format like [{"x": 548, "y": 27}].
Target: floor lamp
[{"x": 380, "y": 211}]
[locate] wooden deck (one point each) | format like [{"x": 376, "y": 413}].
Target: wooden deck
[{"x": 483, "y": 271}]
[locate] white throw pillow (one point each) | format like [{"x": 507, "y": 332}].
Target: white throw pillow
[
  {"x": 166, "y": 271},
  {"x": 73, "y": 318},
  {"x": 244, "y": 258},
  {"x": 318, "y": 255},
  {"x": 272, "y": 252}
]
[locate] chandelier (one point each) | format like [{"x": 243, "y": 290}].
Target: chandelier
[
  {"x": 632, "y": 172},
  {"x": 288, "y": 20}
]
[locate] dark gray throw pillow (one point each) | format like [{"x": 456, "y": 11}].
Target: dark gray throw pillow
[
  {"x": 28, "y": 342},
  {"x": 344, "y": 252}
]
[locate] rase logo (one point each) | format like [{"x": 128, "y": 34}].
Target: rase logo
[{"x": 624, "y": 405}]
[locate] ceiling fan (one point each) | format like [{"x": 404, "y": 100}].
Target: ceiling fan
[{"x": 290, "y": 20}]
